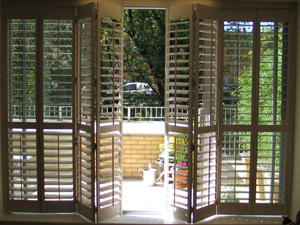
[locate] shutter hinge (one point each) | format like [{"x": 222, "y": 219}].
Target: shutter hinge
[
  {"x": 193, "y": 83},
  {"x": 192, "y": 209},
  {"x": 193, "y": 147},
  {"x": 95, "y": 146},
  {"x": 95, "y": 82},
  {"x": 194, "y": 16},
  {"x": 219, "y": 83}
]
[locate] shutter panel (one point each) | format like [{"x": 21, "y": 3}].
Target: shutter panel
[
  {"x": 179, "y": 113},
  {"x": 58, "y": 165},
  {"x": 21, "y": 158},
  {"x": 21, "y": 68},
  {"x": 237, "y": 113},
  {"x": 85, "y": 111},
  {"x": 255, "y": 126},
  {"x": 23, "y": 181},
  {"x": 57, "y": 112},
  {"x": 57, "y": 70},
  {"x": 109, "y": 111},
  {"x": 207, "y": 75},
  {"x": 274, "y": 79}
]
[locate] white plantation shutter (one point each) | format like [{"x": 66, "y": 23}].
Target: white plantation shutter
[
  {"x": 237, "y": 114},
  {"x": 57, "y": 112},
  {"x": 179, "y": 100},
  {"x": 40, "y": 155},
  {"x": 273, "y": 136},
  {"x": 255, "y": 129},
  {"x": 57, "y": 70},
  {"x": 109, "y": 111},
  {"x": 23, "y": 169},
  {"x": 205, "y": 129},
  {"x": 21, "y": 156},
  {"x": 58, "y": 165},
  {"x": 85, "y": 111},
  {"x": 21, "y": 69}
]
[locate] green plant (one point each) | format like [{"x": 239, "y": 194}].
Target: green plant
[{"x": 177, "y": 151}]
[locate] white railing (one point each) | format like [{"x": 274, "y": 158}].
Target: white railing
[
  {"x": 63, "y": 112},
  {"x": 143, "y": 113},
  {"x": 129, "y": 113}
]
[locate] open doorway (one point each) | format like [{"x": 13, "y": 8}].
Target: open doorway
[{"x": 143, "y": 99}]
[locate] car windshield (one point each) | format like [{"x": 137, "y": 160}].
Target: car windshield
[{"x": 130, "y": 87}]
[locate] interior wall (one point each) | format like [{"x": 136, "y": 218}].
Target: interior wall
[{"x": 295, "y": 207}]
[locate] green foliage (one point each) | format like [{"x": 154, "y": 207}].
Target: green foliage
[
  {"x": 144, "y": 51},
  {"x": 178, "y": 149}
]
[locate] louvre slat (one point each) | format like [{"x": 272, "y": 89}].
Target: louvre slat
[
  {"x": 59, "y": 169},
  {"x": 55, "y": 175},
  {"x": 105, "y": 180},
  {"x": 86, "y": 187},
  {"x": 61, "y": 154},
  {"x": 110, "y": 187},
  {"x": 109, "y": 151},
  {"x": 58, "y": 161},
  {"x": 115, "y": 142},
  {"x": 115, "y": 200},
  {"x": 106, "y": 174},
  {"x": 23, "y": 196},
  {"x": 58, "y": 197},
  {"x": 111, "y": 194},
  {"x": 24, "y": 175},
  {"x": 110, "y": 158},
  {"x": 60, "y": 147},
  {"x": 24, "y": 168}
]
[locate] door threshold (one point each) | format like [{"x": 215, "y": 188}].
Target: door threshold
[{"x": 142, "y": 212}]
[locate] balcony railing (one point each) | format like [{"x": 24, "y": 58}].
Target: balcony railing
[{"x": 137, "y": 113}]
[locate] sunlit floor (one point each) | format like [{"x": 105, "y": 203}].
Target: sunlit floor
[
  {"x": 140, "y": 197},
  {"x": 143, "y": 204}
]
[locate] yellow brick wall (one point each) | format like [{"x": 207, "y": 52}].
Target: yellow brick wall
[{"x": 139, "y": 150}]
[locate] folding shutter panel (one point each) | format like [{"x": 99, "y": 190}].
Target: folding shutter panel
[
  {"x": 19, "y": 100},
  {"x": 85, "y": 111},
  {"x": 58, "y": 44},
  {"x": 205, "y": 140},
  {"x": 273, "y": 112},
  {"x": 179, "y": 111},
  {"x": 237, "y": 130},
  {"x": 109, "y": 110}
]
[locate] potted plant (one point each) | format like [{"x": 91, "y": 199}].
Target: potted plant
[{"x": 178, "y": 157}]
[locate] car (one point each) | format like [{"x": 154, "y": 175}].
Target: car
[
  {"x": 137, "y": 87},
  {"x": 137, "y": 93}
]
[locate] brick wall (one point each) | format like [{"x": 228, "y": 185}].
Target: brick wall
[{"x": 139, "y": 150}]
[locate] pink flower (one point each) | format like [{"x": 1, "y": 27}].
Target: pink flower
[{"x": 182, "y": 164}]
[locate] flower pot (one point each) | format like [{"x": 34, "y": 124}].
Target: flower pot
[{"x": 181, "y": 178}]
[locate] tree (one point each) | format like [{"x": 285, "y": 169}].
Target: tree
[{"x": 144, "y": 50}]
